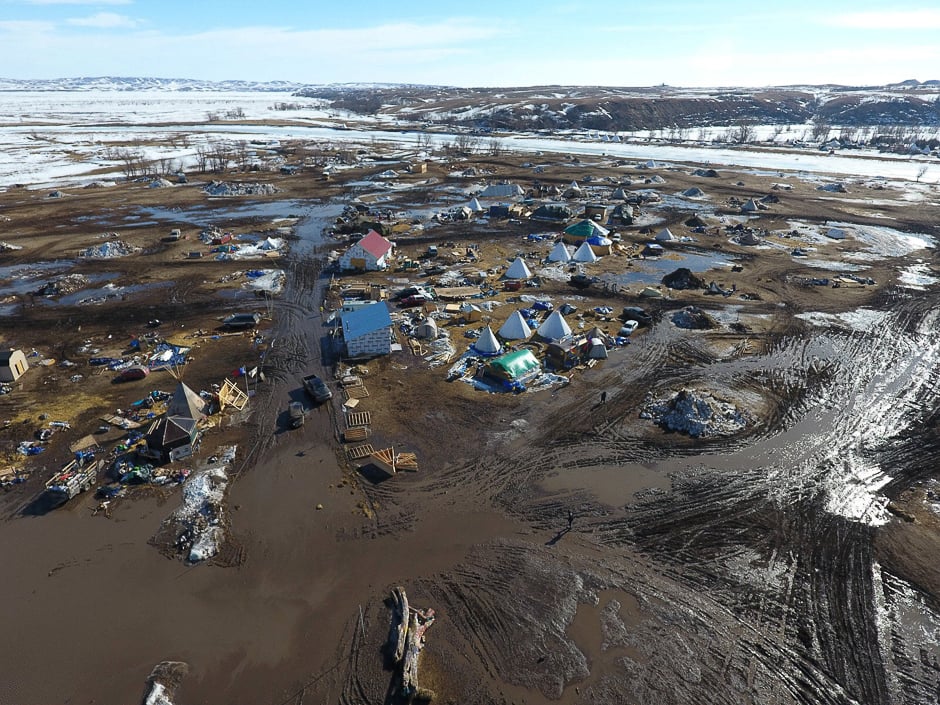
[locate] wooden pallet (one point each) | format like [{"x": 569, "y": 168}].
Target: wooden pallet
[
  {"x": 358, "y": 452},
  {"x": 384, "y": 459},
  {"x": 358, "y": 418},
  {"x": 360, "y": 433},
  {"x": 357, "y": 392},
  {"x": 407, "y": 461}
]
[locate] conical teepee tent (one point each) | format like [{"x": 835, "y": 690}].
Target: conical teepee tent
[
  {"x": 559, "y": 253},
  {"x": 620, "y": 194},
  {"x": 584, "y": 253},
  {"x": 487, "y": 344},
  {"x": 186, "y": 403},
  {"x": 475, "y": 206},
  {"x": 665, "y": 235},
  {"x": 749, "y": 207},
  {"x": 518, "y": 270},
  {"x": 555, "y": 327},
  {"x": 515, "y": 328}
]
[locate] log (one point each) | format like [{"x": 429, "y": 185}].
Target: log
[{"x": 398, "y": 631}]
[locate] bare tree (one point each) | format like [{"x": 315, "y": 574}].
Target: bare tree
[
  {"x": 495, "y": 147},
  {"x": 743, "y": 132},
  {"x": 920, "y": 172}
]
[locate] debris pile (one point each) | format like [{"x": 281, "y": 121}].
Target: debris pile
[
  {"x": 405, "y": 641},
  {"x": 108, "y": 250},
  {"x": 222, "y": 188},
  {"x": 697, "y": 413},
  {"x": 693, "y": 318},
  {"x": 683, "y": 278}
]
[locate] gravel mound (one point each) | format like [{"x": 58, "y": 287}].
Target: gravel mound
[
  {"x": 697, "y": 413},
  {"x": 222, "y": 188}
]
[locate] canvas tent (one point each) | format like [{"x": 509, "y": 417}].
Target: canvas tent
[
  {"x": 750, "y": 206},
  {"x": 694, "y": 192},
  {"x": 426, "y": 329},
  {"x": 515, "y": 328},
  {"x": 185, "y": 402},
  {"x": 584, "y": 253},
  {"x": 559, "y": 253},
  {"x": 502, "y": 191},
  {"x": 582, "y": 230},
  {"x": 555, "y": 327},
  {"x": 487, "y": 344},
  {"x": 665, "y": 235},
  {"x": 475, "y": 206},
  {"x": 518, "y": 270},
  {"x": 620, "y": 194}
]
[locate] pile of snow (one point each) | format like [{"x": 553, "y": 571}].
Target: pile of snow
[
  {"x": 222, "y": 188},
  {"x": 694, "y": 318},
  {"x": 696, "y": 413},
  {"x": 259, "y": 249},
  {"x": 98, "y": 183},
  {"x": 109, "y": 250},
  {"x": 7, "y": 247},
  {"x": 201, "y": 512},
  {"x": 160, "y": 183},
  {"x": 833, "y": 188}
]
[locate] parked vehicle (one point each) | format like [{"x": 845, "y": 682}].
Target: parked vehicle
[
  {"x": 74, "y": 478},
  {"x": 317, "y": 388},
  {"x": 297, "y": 414},
  {"x": 241, "y": 321},
  {"x": 628, "y": 327},
  {"x": 132, "y": 373},
  {"x": 414, "y": 300}
]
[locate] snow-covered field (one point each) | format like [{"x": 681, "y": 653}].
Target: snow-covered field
[{"x": 50, "y": 139}]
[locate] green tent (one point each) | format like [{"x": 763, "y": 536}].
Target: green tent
[
  {"x": 514, "y": 365},
  {"x": 584, "y": 229}
]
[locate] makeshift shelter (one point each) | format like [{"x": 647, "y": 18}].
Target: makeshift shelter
[
  {"x": 515, "y": 366},
  {"x": 694, "y": 192},
  {"x": 552, "y": 213},
  {"x": 620, "y": 194},
  {"x": 368, "y": 330},
  {"x": 836, "y": 233},
  {"x": 748, "y": 238},
  {"x": 599, "y": 245},
  {"x": 187, "y": 403},
  {"x": 665, "y": 235},
  {"x": 555, "y": 327},
  {"x": 518, "y": 270},
  {"x": 582, "y": 230},
  {"x": 597, "y": 350},
  {"x": 515, "y": 328},
  {"x": 475, "y": 206},
  {"x": 559, "y": 253},
  {"x": 12, "y": 365},
  {"x": 171, "y": 438},
  {"x": 750, "y": 206},
  {"x": 584, "y": 253},
  {"x": 427, "y": 329},
  {"x": 368, "y": 255},
  {"x": 487, "y": 344},
  {"x": 471, "y": 313},
  {"x": 573, "y": 190},
  {"x": 695, "y": 221},
  {"x": 651, "y": 293},
  {"x": 502, "y": 191}
]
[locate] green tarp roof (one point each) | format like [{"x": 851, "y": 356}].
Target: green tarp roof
[
  {"x": 515, "y": 364},
  {"x": 585, "y": 229}
]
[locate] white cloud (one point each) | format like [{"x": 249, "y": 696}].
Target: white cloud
[
  {"x": 103, "y": 20},
  {"x": 888, "y": 19},
  {"x": 25, "y": 26}
]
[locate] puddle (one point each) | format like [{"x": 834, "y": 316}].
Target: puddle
[
  {"x": 614, "y": 485},
  {"x": 102, "y": 294},
  {"x": 652, "y": 270}
]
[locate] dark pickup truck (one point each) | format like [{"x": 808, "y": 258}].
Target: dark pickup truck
[{"x": 317, "y": 388}]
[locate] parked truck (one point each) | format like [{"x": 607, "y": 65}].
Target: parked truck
[
  {"x": 74, "y": 478},
  {"x": 297, "y": 413},
  {"x": 317, "y": 389}
]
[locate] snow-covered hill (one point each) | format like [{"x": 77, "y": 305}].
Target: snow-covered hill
[{"x": 125, "y": 83}]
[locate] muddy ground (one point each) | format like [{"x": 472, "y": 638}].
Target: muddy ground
[{"x": 764, "y": 567}]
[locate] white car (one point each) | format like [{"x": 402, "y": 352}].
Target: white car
[{"x": 628, "y": 328}]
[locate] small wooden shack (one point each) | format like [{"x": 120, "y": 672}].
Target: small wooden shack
[{"x": 12, "y": 365}]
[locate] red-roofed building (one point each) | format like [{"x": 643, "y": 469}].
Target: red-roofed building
[{"x": 369, "y": 254}]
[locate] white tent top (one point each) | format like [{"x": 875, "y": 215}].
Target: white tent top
[
  {"x": 185, "y": 402},
  {"x": 749, "y": 207},
  {"x": 475, "y": 206},
  {"x": 584, "y": 253},
  {"x": 559, "y": 253},
  {"x": 665, "y": 235},
  {"x": 515, "y": 328},
  {"x": 651, "y": 293},
  {"x": 518, "y": 270},
  {"x": 487, "y": 344},
  {"x": 502, "y": 191},
  {"x": 555, "y": 327}
]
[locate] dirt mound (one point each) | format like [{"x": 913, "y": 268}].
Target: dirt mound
[
  {"x": 696, "y": 413},
  {"x": 693, "y": 318},
  {"x": 222, "y": 188},
  {"x": 683, "y": 278}
]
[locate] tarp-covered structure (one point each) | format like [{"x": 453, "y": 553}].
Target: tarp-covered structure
[{"x": 514, "y": 366}]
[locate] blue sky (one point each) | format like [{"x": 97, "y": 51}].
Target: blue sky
[{"x": 477, "y": 43}]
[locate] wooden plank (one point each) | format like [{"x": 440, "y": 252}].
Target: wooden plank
[
  {"x": 360, "y": 451},
  {"x": 407, "y": 461},
  {"x": 358, "y": 418}
]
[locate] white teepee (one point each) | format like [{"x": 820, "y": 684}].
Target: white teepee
[
  {"x": 487, "y": 344},
  {"x": 559, "y": 253},
  {"x": 515, "y": 328},
  {"x": 584, "y": 253},
  {"x": 475, "y": 206},
  {"x": 518, "y": 270},
  {"x": 665, "y": 235},
  {"x": 555, "y": 327}
]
